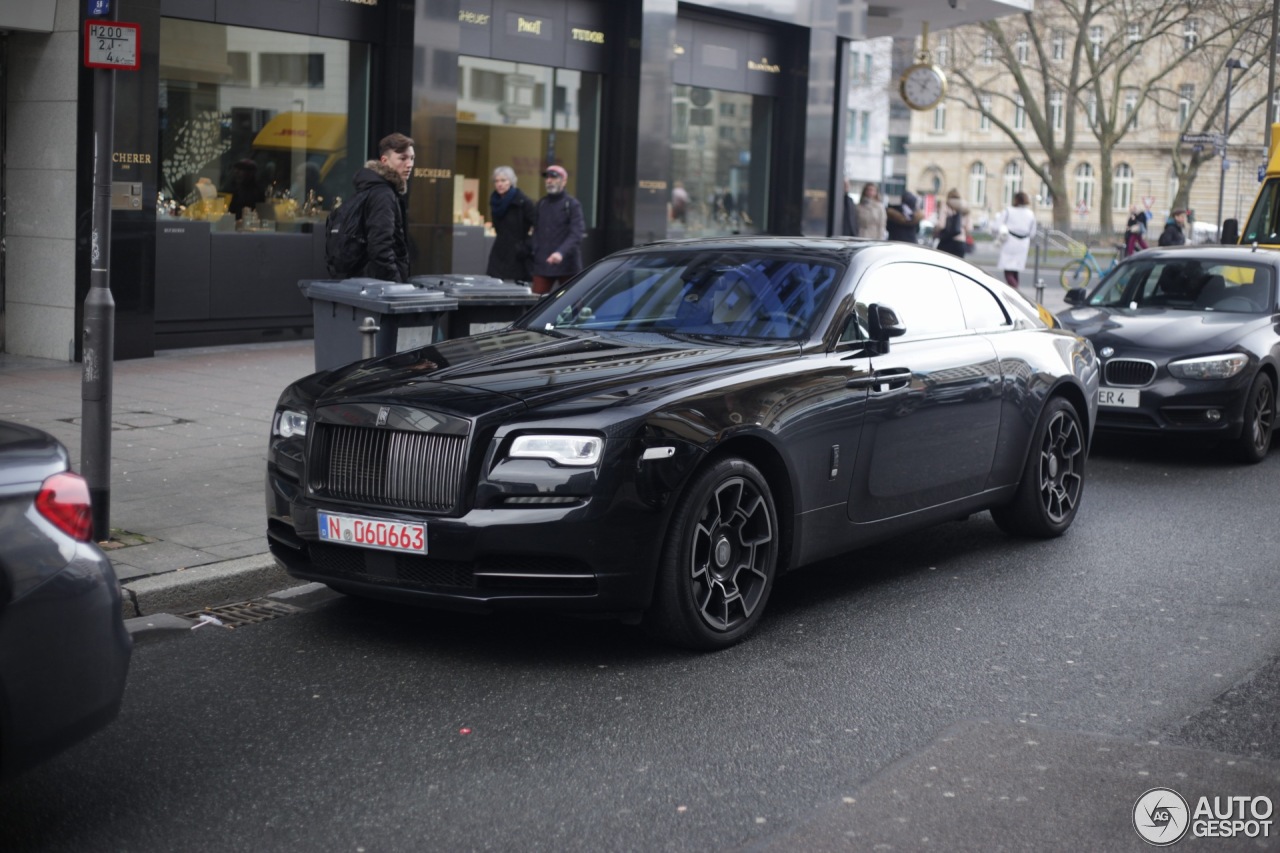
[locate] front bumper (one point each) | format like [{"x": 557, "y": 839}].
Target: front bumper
[
  {"x": 593, "y": 556},
  {"x": 1171, "y": 406}
]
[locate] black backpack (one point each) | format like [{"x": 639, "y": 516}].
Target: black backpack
[{"x": 346, "y": 252}]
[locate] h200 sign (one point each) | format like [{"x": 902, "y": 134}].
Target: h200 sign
[{"x": 111, "y": 44}]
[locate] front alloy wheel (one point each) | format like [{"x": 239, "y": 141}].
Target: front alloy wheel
[
  {"x": 1052, "y": 479},
  {"x": 719, "y": 561},
  {"x": 1259, "y": 419}
]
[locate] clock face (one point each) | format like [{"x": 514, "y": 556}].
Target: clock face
[{"x": 923, "y": 86}]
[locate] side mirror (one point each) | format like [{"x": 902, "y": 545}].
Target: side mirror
[
  {"x": 883, "y": 323},
  {"x": 1075, "y": 296}
]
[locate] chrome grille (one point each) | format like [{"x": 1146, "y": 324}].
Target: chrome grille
[
  {"x": 1129, "y": 372},
  {"x": 402, "y": 470}
]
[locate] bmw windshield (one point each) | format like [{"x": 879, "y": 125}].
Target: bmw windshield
[{"x": 1188, "y": 285}]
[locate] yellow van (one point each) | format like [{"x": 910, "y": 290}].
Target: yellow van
[{"x": 1263, "y": 225}]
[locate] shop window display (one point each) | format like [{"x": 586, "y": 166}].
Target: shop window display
[
  {"x": 259, "y": 130},
  {"x": 719, "y": 162},
  {"x": 526, "y": 117}
]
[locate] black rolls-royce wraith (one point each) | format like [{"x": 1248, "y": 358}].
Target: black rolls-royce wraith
[{"x": 678, "y": 425}]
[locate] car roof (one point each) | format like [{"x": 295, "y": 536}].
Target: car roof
[{"x": 1211, "y": 252}]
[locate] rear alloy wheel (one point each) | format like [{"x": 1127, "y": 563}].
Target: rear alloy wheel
[
  {"x": 719, "y": 560},
  {"x": 1052, "y": 479},
  {"x": 1259, "y": 419}
]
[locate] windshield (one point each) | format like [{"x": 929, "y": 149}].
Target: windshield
[
  {"x": 1190, "y": 285},
  {"x": 1264, "y": 222},
  {"x": 715, "y": 293}
]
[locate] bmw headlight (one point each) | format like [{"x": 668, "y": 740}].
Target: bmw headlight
[
  {"x": 1210, "y": 366},
  {"x": 576, "y": 451},
  {"x": 289, "y": 423}
]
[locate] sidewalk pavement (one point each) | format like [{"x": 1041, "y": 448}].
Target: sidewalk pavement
[{"x": 188, "y": 449}]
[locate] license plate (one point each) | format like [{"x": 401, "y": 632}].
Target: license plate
[
  {"x": 373, "y": 533},
  {"x": 1122, "y": 398}
]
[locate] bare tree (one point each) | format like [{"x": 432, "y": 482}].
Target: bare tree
[{"x": 1080, "y": 71}]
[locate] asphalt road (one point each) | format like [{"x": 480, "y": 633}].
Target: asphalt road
[{"x": 366, "y": 727}]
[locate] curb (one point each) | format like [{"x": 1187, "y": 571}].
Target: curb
[{"x": 186, "y": 590}]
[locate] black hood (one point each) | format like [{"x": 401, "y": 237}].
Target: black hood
[{"x": 1161, "y": 329}]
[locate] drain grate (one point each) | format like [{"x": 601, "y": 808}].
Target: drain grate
[{"x": 244, "y": 613}]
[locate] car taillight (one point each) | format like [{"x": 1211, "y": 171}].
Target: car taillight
[{"x": 64, "y": 500}]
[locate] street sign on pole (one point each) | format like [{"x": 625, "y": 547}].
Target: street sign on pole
[
  {"x": 1217, "y": 140},
  {"x": 111, "y": 44},
  {"x": 98, "y": 8}
]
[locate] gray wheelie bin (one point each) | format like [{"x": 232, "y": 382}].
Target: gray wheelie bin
[
  {"x": 407, "y": 316},
  {"x": 484, "y": 303}
]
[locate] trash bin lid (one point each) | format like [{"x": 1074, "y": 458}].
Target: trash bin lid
[
  {"x": 383, "y": 297},
  {"x": 478, "y": 287}
]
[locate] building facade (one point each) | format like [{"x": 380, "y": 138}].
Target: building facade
[{"x": 246, "y": 119}]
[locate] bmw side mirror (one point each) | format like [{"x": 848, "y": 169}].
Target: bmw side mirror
[{"x": 1075, "y": 296}]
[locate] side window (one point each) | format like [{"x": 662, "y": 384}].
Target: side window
[
  {"x": 923, "y": 296},
  {"x": 981, "y": 308}
]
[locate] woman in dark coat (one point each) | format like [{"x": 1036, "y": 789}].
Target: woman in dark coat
[{"x": 513, "y": 216}]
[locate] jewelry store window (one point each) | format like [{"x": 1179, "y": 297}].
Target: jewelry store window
[
  {"x": 260, "y": 131},
  {"x": 525, "y": 117},
  {"x": 719, "y": 162}
]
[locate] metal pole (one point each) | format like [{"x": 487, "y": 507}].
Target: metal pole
[
  {"x": 1271, "y": 78},
  {"x": 1226, "y": 133},
  {"x": 99, "y": 316},
  {"x": 1039, "y": 241}
]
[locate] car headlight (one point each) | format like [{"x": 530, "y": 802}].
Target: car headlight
[
  {"x": 1210, "y": 366},
  {"x": 578, "y": 451},
  {"x": 289, "y": 423}
]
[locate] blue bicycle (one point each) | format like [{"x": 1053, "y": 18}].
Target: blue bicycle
[{"x": 1080, "y": 273}]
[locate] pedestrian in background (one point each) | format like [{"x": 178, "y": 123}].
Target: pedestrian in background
[
  {"x": 849, "y": 227},
  {"x": 557, "y": 233},
  {"x": 512, "y": 214},
  {"x": 1175, "y": 233},
  {"x": 953, "y": 231},
  {"x": 1015, "y": 226},
  {"x": 902, "y": 220},
  {"x": 871, "y": 215},
  {"x": 1135, "y": 231},
  {"x": 384, "y": 218}
]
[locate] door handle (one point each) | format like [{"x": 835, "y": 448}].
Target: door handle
[{"x": 882, "y": 380}]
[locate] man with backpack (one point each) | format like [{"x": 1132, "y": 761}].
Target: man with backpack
[
  {"x": 557, "y": 233},
  {"x": 369, "y": 234}
]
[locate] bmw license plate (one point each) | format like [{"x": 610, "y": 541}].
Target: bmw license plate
[
  {"x": 373, "y": 533},
  {"x": 1122, "y": 398}
]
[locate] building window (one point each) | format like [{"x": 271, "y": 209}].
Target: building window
[
  {"x": 1091, "y": 109},
  {"x": 1186, "y": 94},
  {"x": 1122, "y": 187},
  {"x": 1012, "y": 181},
  {"x": 1045, "y": 197},
  {"x": 1190, "y": 34},
  {"x": 1058, "y": 45},
  {"x": 1095, "y": 42},
  {"x": 942, "y": 55},
  {"x": 1055, "y": 110},
  {"x": 984, "y": 114},
  {"x": 279, "y": 148},
  {"x": 1021, "y": 47},
  {"x": 293, "y": 70},
  {"x": 940, "y": 117},
  {"x": 978, "y": 185},
  {"x": 851, "y": 125},
  {"x": 864, "y": 129},
  {"x": 1019, "y": 113},
  {"x": 988, "y": 49},
  {"x": 1133, "y": 33},
  {"x": 1084, "y": 186},
  {"x": 854, "y": 65},
  {"x": 866, "y": 69},
  {"x": 1131, "y": 110}
]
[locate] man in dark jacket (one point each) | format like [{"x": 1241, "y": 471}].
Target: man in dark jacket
[
  {"x": 1175, "y": 230},
  {"x": 557, "y": 234},
  {"x": 386, "y": 220}
]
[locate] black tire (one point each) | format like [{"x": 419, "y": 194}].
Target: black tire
[
  {"x": 719, "y": 560},
  {"x": 1074, "y": 275},
  {"x": 1259, "y": 420},
  {"x": 1052, "y": 479}
]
